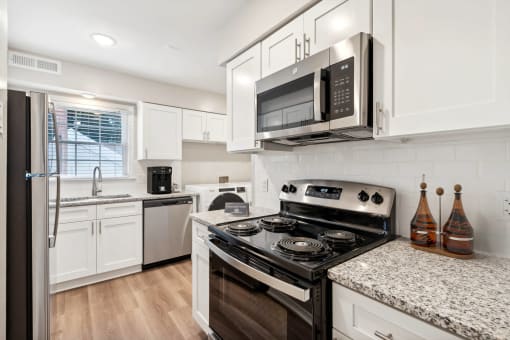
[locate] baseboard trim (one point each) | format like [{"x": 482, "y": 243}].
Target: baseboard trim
[{"x": 84, "y": 281}]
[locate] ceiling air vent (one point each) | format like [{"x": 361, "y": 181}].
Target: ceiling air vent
[{"x": 34, "y": 63}]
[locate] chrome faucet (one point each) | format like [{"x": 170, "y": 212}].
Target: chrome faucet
[{"x": 95, "y": 188}]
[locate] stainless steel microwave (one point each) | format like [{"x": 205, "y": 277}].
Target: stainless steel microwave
[{"x": 324, "y": 98}]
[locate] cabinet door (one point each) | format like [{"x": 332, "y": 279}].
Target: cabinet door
[
  {"x": 74, "y": 254},
  {"x": 194, "y": 125},
  {"x": 283, "y": 48},
  {"x": 242, "y": 73},
  {"x": 200, "y": 276},
  {"x": 119, "y": 243},
  {"x": 448, "y": 62},
  {"x": 359, "y": 317},
  {"x": 216, "y": 128},
  {"x": 331, "y": 21},
  {"x": 160, "y": 129}
]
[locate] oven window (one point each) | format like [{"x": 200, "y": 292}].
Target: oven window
[
  {"x": 243, "y": 308},
  {"x": 289, "y": 105}
]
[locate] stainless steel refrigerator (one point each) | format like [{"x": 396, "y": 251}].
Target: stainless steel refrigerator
[{"x": 33, "y": 203}]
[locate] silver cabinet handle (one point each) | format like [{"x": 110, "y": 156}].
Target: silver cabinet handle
[
  {"x": 301, "y": 294},
  {"x": 92, "y": 225},
  {"x": 382, "y": 336},
  {"x": 297, "y": 50},
  {"x": 306, "y": 41},
  {"x": 100, "y": 228},
  {"x": 378, "y": 118}
]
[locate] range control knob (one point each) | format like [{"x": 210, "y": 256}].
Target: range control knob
[
  {"x": 285, "y": 188},
  {"x": 292, "y": 188},
  {"x": 377, "y": 198},
  {"x": 363, "y": 196}
]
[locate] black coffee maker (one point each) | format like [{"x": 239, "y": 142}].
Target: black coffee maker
[{"x": 159, "y": 180}]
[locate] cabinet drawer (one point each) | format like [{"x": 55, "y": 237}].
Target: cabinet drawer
[
  {"x": 75, "y": 214},
  {"x": 359, "y": 317},
  {"x": 119, "y": 210}
]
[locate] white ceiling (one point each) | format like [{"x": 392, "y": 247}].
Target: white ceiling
[{"x": 143, "y": 29}]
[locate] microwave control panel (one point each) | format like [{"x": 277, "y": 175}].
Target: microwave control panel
[{"x": 342, "y": 88}]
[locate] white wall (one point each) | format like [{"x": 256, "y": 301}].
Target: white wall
[
  {"x": 78, "y": 78},
  {"x": 3, "y": 119},
  {"x": 203, "y": 164},
  {"x": 480, "y": 163},
  {"x": 108, "y": 84},
  {"x": 255, "y": 20}
]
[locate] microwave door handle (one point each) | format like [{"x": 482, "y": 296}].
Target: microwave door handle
[
  {"x": 319, "y": 95},
  {"x": 298, "y": 293}
]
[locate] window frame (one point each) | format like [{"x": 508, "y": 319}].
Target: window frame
[{"x": 84, "y": 104}]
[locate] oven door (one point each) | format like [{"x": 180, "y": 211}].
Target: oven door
[
  {"x": 293, "y": 101},
  {"x": 248, "y": 303}
]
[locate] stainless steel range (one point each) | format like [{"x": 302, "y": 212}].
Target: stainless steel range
[{"x": 268, "y": 276}]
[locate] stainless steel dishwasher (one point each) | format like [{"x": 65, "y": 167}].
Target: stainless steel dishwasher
[{"x": 166, "y": 229}]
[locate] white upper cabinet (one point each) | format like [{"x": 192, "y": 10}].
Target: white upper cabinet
[
  {"x": 216, "y": 128},
  {"x": 198, "y": 126},
  {"x": 242, "y": 73},
  {"x": 159, "y": 132},
  {"x": 331, "y": 21},
  {"x": 193, "y": 125},
  {"x": 447, "y": 63},
  {"x": 283, "y": 48}
]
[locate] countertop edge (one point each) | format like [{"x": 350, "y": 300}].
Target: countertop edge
[{"x": 133, "y": 198}]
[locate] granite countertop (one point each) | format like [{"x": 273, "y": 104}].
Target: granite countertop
[
  {"x": 470, "y": 298},
  {"x": 131, "y": 198},
  {"x": 219, "y": 216}
]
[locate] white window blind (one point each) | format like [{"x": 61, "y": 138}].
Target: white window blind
[{"x": 89, "y": 138}]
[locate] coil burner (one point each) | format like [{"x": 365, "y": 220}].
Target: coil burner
[
  {"x": 278, "y": 224},
  {"x": 243, "y": 229},
  {"x": 301, "y": 248}
]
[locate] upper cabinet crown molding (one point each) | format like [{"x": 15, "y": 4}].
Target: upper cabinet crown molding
[
  {"x": 159, "y": 132},
  {"x": 440, "y": 70}
]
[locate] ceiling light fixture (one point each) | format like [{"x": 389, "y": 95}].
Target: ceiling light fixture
[
  {"x": 103, "y": 39},
  {"x": 88, "y": 95}
]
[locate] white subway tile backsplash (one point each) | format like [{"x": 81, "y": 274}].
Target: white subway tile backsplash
[
  {"x": 403, "y": 154},
  {"x": 436, "y": 153},
  {"x": 482, "y": 151},
  {"x": 481, "y": 166}
]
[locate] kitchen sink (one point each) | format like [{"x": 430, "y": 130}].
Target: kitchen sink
[{"x": 86, "y": 198}]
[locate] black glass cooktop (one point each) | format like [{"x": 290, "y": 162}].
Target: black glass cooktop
[{"x": 302, "y": 248}]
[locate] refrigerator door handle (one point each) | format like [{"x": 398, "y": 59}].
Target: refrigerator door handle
[{"x": 53, "y": 237}]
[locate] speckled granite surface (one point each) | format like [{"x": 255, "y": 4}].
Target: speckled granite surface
[
  {"x": 470, "y": 298},
  {"x": 218, "y": 216},
  {"x": 132, "y": 198}
]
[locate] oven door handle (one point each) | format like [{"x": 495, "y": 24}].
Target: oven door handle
[
  {"x": 279, "y": 285},
  {"x": 319, "y": 96}
]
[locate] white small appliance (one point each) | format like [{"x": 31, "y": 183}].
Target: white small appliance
[{"x": 214, "y": 196}]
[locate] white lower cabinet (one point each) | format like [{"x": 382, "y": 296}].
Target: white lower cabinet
[
  {"x": 358, "y": 317},
  {"x": 74, "y": 255},
  {"x": 200, "y": 275},
  {"x": 119, "y": 243},
  {"x": 87, "y": 250}
]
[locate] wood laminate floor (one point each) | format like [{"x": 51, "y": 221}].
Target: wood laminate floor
[{"x": 154, "y": 304}]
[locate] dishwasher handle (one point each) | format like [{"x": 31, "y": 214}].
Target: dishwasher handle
[{"x": 168, "y": 201}]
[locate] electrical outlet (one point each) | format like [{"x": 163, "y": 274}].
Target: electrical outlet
[
  {"x": 506, "y": 204},
  {"x": 264, "y": 185}
]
